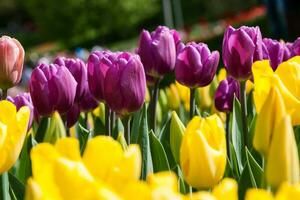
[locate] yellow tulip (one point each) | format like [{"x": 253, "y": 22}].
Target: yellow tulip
[
  {"x": 203, "y": 152},
  {"x": 13, "y": 128},
  {"x": 258, "y": 194},
  {"x": 286, "y": 79},
  {"x": 184, "y": 93},
  {"x": 226, "y": 189},
  {"x": 282, "y": 160},
  {"x": 222, "y": 74},
  {"x": 288, "y": 192},
  {"x": 201, "y": 195},
  {"x": 205, "y": 100},
  {"x": 173, "y": 96},
  {"x": 177, "y": 129},
  {"x": 271, "y": 113}
]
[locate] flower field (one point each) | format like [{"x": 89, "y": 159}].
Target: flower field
[{"x": 225, "y": 127}]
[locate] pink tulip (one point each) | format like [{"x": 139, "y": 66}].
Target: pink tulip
[{"x": 11, "y": 62}]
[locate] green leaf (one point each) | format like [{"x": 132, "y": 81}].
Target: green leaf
[
  {"x": 244, "y": 182},
  {"x": 165, "y": 141},
  {"x": 17, "y": 189},
  {"x": 83, "y": 136},
  {"x": 236, "y": 133},
  {"x": 4, "y": 187},
  {"x": 122, "y": 141},
  {"x": 136, "y": 120},
  {"x": 159, "y": 157},
  {"x": 99, "y": 126},
  {"x": 234, "y": 162},
  {"x": 255, "y": 171},
  {"x": 42, "y": 127},
  {"x": 118, "y": 128},
  {"x": 143, "y": 141},
  {"x": 183, "y": 187}
]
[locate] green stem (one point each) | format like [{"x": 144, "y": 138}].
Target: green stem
[
  {"x": 112, "y": 122},
  {"x": 228, "y": 135},
  {"x": 243, "y": 99},
  {"x": 107, "y": 120},
  {"x": 126, "y": 122},
  {"x": 4, "y": 186},
  {"x": 152, "y": 106},
  {"x": 192, "y": 102}
]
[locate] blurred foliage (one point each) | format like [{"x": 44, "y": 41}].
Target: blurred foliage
[{"x": 75, "y": 21}]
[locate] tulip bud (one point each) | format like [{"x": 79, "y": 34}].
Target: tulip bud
[
  {"x": 288, "y": 191},
  {"x": 225, "y": 93},
  {"x": 55, "y": 130},
  {"x": 13, "y": 128},
  {"x": 173, "y": 96},
  {"x": 258, "y": 194},
  {"x": 11, "y": 62},
  {"x": 241, "y": 47},
  {"x": 79, "y": 71},
  {"x": 267, "y": 120},
  {"x": 158, "y": 51},
  {"x": 283, "y": 155},
  {"x": 273, "y": 50},
  {"x": 184, "y": 94},
  {"x": 98, "y": 64},
  {"x": 203, "y": 152},
  {"x": 196, "y": 66},
  {"x": 226, "y": 189},
  {"x": 125, "y": 84},
  {"x": 73, "y": 115},
  {"x": 88, "y": 102},
  {"x": 176, "y": 133},
  {"x": 288, "y": 51},
  {"x": 52, "y": 88},
  {"x": 204, "y": 97},
  {"x": 296, "y": 47},
  {"x": 23, "y": 99}
]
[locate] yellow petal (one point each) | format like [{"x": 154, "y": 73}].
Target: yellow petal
[
  {"x": 226, "y": 189},
  {"x": 258, "y": 194},
  {"x": 202, "y": 195},
  {"x": 102, "y": 153},
  {"x": 136, "y": 190},
  {"x": 222, "y": 74},
  {"x": 163, "y": 180},
  {"x": 288, "y": 192},
  {"x": 283, "y": 155},
  {"x": 68, "y": 148}
]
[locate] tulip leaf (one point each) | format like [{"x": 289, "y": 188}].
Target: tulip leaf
[
  {"x": 136, "y": 120},
  {"x": 244, "y": 182},
  {"x": 183, "y": 187},
  {"x": 255, "y": 171},
  {"x": 4, "y": 186},
  {"x": 99, "y": 126},
  {"x": 143, "y": 141},
  {"x": 236, "y": 133},
  {"x": 159, "y": 157},
  {"x": 42, "y": 127},
  {"x": 119, "y": 127},
  {"x": 17, "y": 189},
  {"x": 83, "y": 136},
  {"x": 234, "y": 164},
  {"x": 23, "y": 171},
  {"x": 165, "y": 141}
]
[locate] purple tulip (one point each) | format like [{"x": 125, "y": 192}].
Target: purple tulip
[
  {"x": 158, "y": 50},
  {"x": 52, "y": 88},
  {"x": 125, "y": 84},
  {"x": 79, "y": 71},
  {"x": 296, "y": 47},
  {"x": 73, "y": 115},
  {"x": 196, "y": 66},
  {"x": 23, "y": 99},
  {"x": 98, "y": 64},
  {"x": 288, "y": 51},
  {"x": 88, "y": 102},
  {"x": 241, "y": 47},
  {"x": 273, "y": 50},
  {"x": 227, "y": 89}
]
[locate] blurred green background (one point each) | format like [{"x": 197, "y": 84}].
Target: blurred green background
[{"x": 117, "y": 23}]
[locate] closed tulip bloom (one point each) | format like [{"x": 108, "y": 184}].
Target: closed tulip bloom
[
  {"x": 177, "y": 129},
  {"x": 196, "y": 66},
  {"x": 79, "y": 71},
  {"x": 241, "y": 47},
  {"x": 23, "y": 99},
  {"x": 226, "y": 189},
  {"x": 125, "y": 84},
  {"x": 11, "y": 62},
  {"x": 203, "y": 152},
  {"x": 88, "y": 102},
  {"x": 258, "y": 194},
  {"x": 158, "y": 50},
  {"x": 282, "y": 161},
  {"x": 52, "y": 88},
  {"x": 296, "y": 47},
  {"x": 98, "y": 64},
  {"x": 288, "y": 51},
  {"x": 73, "y": 115},
  {"x": 225, "y": 93},
  {"x": 13, "y": 128},
  {"x": 274, "y": 51}
]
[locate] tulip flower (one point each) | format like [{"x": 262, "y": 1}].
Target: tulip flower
[
  {"x": 23, "y": 99},
  {"x": 177, "y": 129},
  {"x": 288, "y": 191},
  {"x": 285, "y": 78},
  {"x": 196, "y": 66},
  {"x": 11, "y": 62},
  {"x": 204, "y": 97},
  {"x": 273, "y": 50},
  {"x": 88, "y": 102},
  {"x": 98, "y": 64},
  {"x": 73, "y": 115},
  {"x": 283, "y": 155},
  {"x": 13, "y": 128},
  {"x": 79, "y": 71},
  {"x": 225, "y": 93},
  {"x": 203, "y": 152},
  {"x": 173, "y": 96},
  {"x": 258, "y": 194},
  {"x": 288, "y": 51},
  {"x": 296, "y": 47},
  {"x": 52, "y": 88},
  {"x": 267, "y": 121},
  {"x": 125, "y": 84},
  {"x": 241, "y": 47},
  {"x": 158, "y": 51},
  {"x": 226, "y": 189}
]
